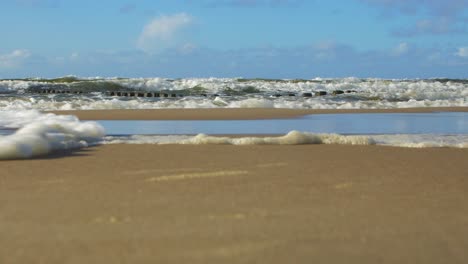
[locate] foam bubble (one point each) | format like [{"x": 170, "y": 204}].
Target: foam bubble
[
  {"x": 252, "y": 103},
  {"x": 298, "y": 138},
  {"x": 40, "y": 134},
  {"x": 291, "y": 138},
  {"x": 422, "y": 141}
]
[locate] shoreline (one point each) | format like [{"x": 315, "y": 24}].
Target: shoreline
[
  {"x": 232, "y": 113},
  {"x": 235, "y": 204}
]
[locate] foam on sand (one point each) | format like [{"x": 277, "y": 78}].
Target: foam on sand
[
  {"x": 422, "y": 141},
  {"x": 40, "y": 134},
  {"x": 300, "y": 138},
  {"x": 291, "y": 138}
]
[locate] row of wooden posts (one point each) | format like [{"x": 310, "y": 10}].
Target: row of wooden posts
[{"x": 175, "y": 95}]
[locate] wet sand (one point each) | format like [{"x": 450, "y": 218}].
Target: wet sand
[
  {"x": 234, "y": 113},
  {"x": 235, "y": 204}
]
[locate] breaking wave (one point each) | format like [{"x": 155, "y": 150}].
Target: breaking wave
[
  {"x": 300, "y": 138},
  {"x": 346, "y": 93}
]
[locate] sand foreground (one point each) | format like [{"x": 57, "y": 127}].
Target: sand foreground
[{"x": 236, "y": 204}]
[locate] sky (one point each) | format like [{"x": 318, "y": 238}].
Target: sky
[{"x": 234, "y": 38}]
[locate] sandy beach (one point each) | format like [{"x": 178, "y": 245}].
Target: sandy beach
[{"x": 235, "y": 204}]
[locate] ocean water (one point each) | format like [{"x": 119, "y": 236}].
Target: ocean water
[
  {"x": 393, "y": 129},
  {"x": 441, "y": 123},
  {"x": 95, "y": 93},
  {"x": 25, "y": 132}
]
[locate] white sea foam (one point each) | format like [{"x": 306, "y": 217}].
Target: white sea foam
[
  {"x": 83, "y": 103},
  {"x": 300, "y": 138},
  {"x": 15, "y": 85},
  {"x": 422, "y": 140},
  {"x": 291, "y": 138},
  {"x": 39, "y": 134}
]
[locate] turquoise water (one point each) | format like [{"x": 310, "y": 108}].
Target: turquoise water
[{"x": 443, "y": 123}]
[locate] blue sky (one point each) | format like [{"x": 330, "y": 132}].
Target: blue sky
[{"x": 234, "y": 38}]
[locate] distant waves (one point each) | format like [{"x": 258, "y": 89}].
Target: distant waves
[{"x": 72, "y": 93}]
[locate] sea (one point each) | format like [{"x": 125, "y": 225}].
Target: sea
[{"x": 25, "y": 131}]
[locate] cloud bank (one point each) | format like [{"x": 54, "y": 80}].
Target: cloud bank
[
  {"x": 320, "y": 59},
  {"x": 14, "y": 59}
]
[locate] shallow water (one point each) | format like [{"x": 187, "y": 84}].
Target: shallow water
[
  {"x": 26, "y": 134},
  {"x": 5, "y": 131},
  {"x": 444, "y": 123}
]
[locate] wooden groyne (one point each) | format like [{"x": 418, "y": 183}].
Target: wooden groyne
[{"x": 169, "y": 94}]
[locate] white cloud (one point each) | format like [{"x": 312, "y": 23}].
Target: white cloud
[
  {"x": 433, "y": 26},
  {"x": 161, "y": 31},
  {"x": 324, "y": 50},
  {"x": 187, "y": 48},
  {"x": 462, "y": 52},
  {"x": 331, "y": 50},
  {"x": 401, "y": 49},
  {"x": 14, "y": 59},
  {"x": 74, "y": 56}
]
